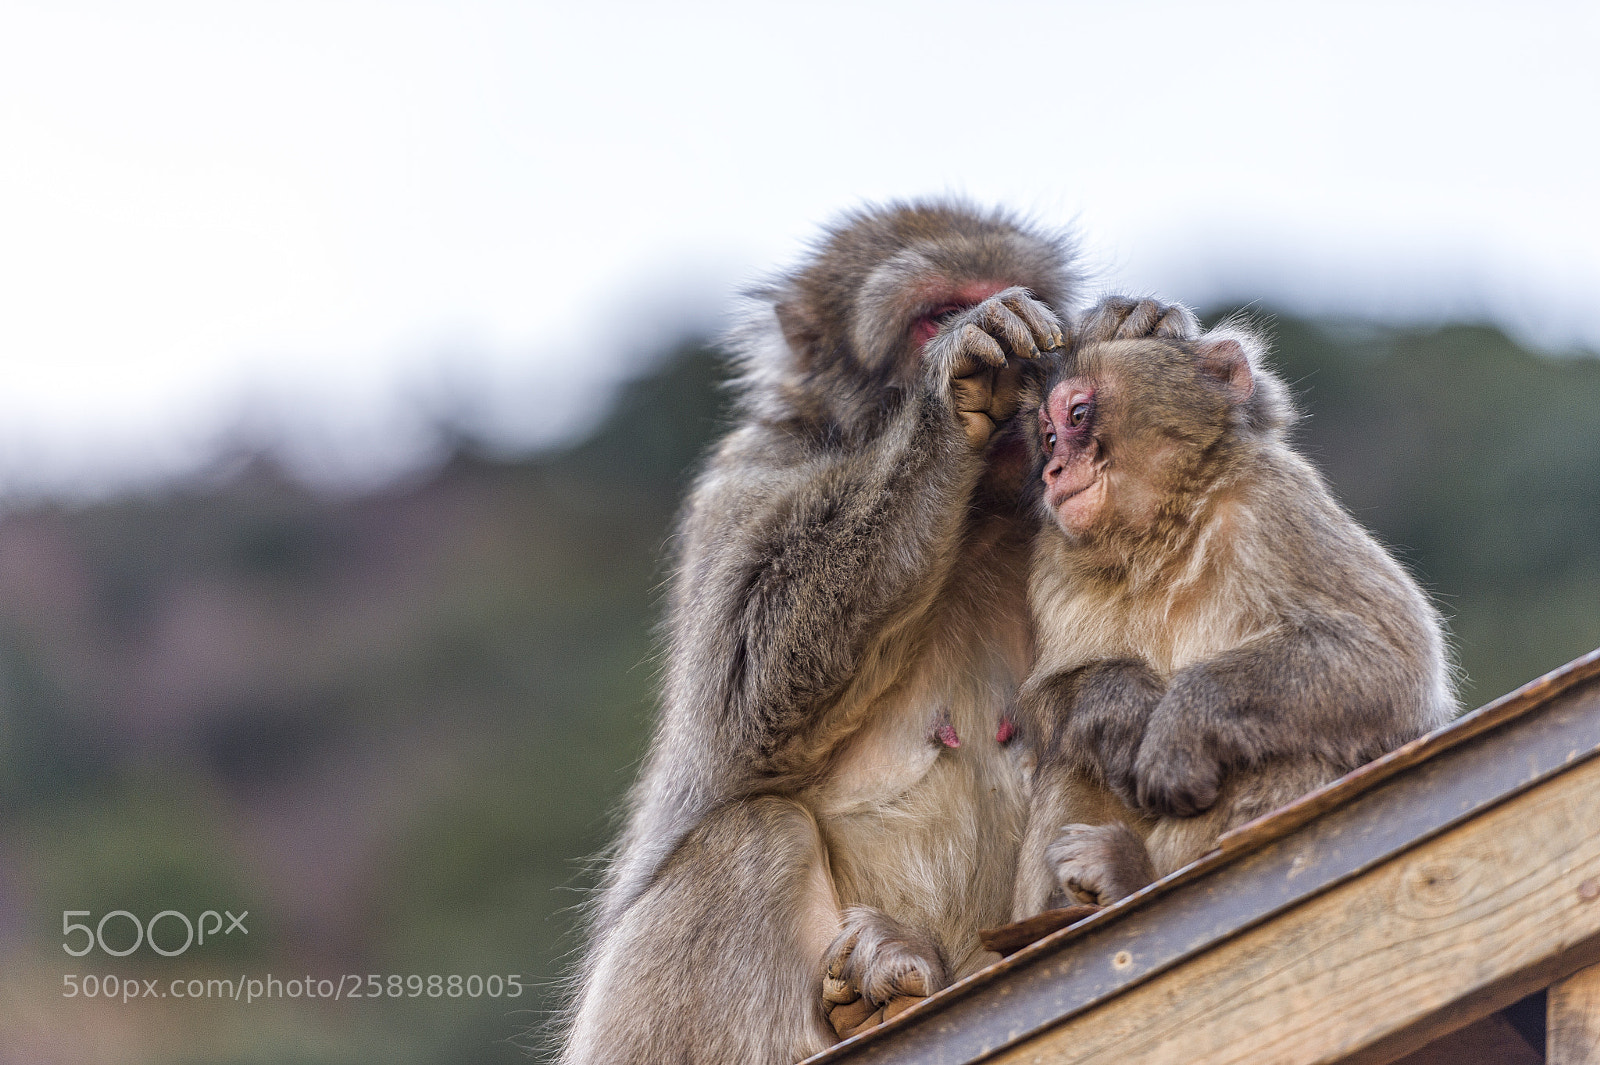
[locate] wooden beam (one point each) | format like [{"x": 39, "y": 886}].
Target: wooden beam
[
  {"x": 1190, "y": 912},
  {"x": 1382, "y": 964},
  {"x": 1572, "y": 1025}
]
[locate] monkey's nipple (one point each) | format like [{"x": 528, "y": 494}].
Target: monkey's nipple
[
  {"x": 1006, "y": 730},
  {"x": 944, "y": 732}
]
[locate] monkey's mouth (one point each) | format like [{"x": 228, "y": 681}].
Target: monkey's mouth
[{"x": 1075, "y": 504}]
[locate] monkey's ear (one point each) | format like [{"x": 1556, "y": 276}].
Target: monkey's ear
[
  {"x": 1225, "y": 360},
  {"x": 799, "y": 330}
]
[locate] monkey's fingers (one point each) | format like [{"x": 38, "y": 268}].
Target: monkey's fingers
[
  {"x": 1039, "y": 319},
  {"x": 839, "y": 954},
  {"x": 1177, "y": 322},
  {"x": 973, "y": 399},
  {"x": 1006, "y": 393},
  {"x": 1105, "y": 319},
  {"x": 974, "y": 350},
  {"x": 977, "y": 426},
  {"x": 896, "y": 1006},
  {"x": 837, "y": 990},
  {"x": 1122, "y": 318},
  {"x": 1140, "y": 322},
  {"x": 1177, "y": 783},
  {"x": 1001, "y": 321}
]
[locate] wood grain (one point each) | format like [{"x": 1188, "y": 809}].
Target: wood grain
[
  {"x": 1572, "y": 1023},
  {"x": 1393, "y": 950}
]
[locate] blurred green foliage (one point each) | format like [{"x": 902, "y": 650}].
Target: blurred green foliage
[{"x": 394, "y": 726}]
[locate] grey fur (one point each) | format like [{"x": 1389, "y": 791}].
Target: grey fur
[
  {"x": 850, "y": 565},
  {"x": 1218, "y": 649}
]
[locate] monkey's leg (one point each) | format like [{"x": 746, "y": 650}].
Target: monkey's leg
[
  {"x": 718, "y": 960},
  {"x": 1246, "y": 794},
  {"x": 1100, "y": 864},
  {"x": 1062, "y": 795},
  {"x": 877, "y": 968}
]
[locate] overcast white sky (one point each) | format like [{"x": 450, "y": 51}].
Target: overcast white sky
[{"x": 332, "y": 215}]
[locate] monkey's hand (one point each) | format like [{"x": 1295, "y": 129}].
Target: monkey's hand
[
  {"x": 1182, "y": 756},
  {"x": 1099, "y": 864},
  {"x": 1099, "y": 712},
  {"x": 976, "y": 357},
  {"x": 876, "y": 969},
  {"x": 1122, "y": 318}
]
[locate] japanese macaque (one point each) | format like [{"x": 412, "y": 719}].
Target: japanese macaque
[
  {"x": 1216, "y": 635},
  {"x": 830, "y": 809}
]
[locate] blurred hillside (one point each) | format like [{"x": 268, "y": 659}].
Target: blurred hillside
[{"x": 392, "y": 726}]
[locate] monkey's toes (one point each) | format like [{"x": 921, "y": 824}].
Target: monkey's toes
[
  {"x": 873, "y": 964},
  {"x": 1099, "y": 864},
  {"x": 897, "y": 971}
]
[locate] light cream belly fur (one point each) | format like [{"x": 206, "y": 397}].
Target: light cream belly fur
[{"x": 928, "y": 833}]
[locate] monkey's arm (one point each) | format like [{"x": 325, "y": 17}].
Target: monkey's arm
[
  {"x": 1326, "y": 687},
  {"x": 786, "y": 593},
  {"x": 1093, "y": 718},
  {"x": 1089, "y": 721}
]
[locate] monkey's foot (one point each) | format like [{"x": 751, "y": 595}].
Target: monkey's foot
[
  {"x": 876, "y": 969},
  {"x": 1100, "y": 864}
]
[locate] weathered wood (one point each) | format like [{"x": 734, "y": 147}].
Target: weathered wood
[
  {"x": 1489, "y": 1041},
  {"x": 1008, "y": 939},
  {"x": 1193, "y": 910},
  {"x": 1347, "y": 975},
  {"x": 1572, "y": 1024}
]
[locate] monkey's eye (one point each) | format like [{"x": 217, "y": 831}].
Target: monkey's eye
[
  {"x": 1050, "y": 440},
  {"x": 1077, "y": 414}
]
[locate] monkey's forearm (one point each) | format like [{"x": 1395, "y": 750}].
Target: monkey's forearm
[{"x": 1319, "y": 690}]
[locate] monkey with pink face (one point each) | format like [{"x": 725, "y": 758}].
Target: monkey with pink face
[
  {"x": 1215, "y": 635},
  {"x": 833, "y": 800}
]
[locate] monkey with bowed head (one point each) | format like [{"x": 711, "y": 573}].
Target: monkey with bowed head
[
  {"x": 1216, "y": 635},
  {"x": 830, "y": 808}
]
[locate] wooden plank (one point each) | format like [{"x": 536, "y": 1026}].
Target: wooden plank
[
  {"x": 1388, "y": 953},
  {"x": 1572, "y": 1024},
  {"x": 1196, "y": 908}
]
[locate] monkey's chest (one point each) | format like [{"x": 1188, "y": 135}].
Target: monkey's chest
[{"x": 924, "y": 811}]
